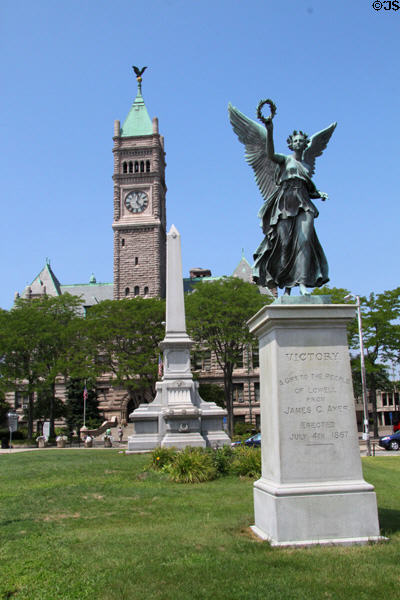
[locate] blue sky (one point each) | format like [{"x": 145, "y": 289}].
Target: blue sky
[{"x": 66, "y": 74}]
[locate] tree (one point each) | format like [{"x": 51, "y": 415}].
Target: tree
[
  {"x": 39, "y": 340},
  {"x": 217, "y": 313},
  {"x": 211, "y": 392},
  {"x": 4, "y": 409},
  {"x": 381, "y": 335},
  {"x": 74, "y": 404},
  {"x": 124, "y": 337}
]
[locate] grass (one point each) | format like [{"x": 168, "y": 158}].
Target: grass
[{"x": 80, "y": 524}]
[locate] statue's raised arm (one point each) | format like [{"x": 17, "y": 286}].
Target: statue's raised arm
[{"x": 290, "y": 254}]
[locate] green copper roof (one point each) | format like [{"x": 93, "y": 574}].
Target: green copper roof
[{"x": 138, "y": 121}]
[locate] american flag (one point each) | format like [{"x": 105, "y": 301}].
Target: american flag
[
  {"x": 85, "y": 393},
  {"x": 160, "y": 366}
]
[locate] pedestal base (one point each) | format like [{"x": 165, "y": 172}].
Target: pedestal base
[
  {"x": 177, "y": 417},
  {"x": 316, "y": 514},
  {"x": 181, "y": 440},
  {"x": 311, "y": 489}
]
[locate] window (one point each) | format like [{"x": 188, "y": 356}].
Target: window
[
  {"x": 256, "y": 357},
  {"x": 136, "y": 166},
  {"x": 123, "y": 242},
  {"x": 142, "y": 166},
  {"x": 136, "y": 260},
  {"x": 256, "y": 391},
  {"x": 201, "y": 360},
  {"x": 146, "y": 290},
  {"x": 130, "y": 167},
  {"x": 239, "y": 362},
  {"x": 147, "y": 166},
  {"x": 124, "y": 167},
  {"x": 136, "y": 291},
  {"x": 237, "y": 392},
  {"x": 239, "y": 419},
  {"x": 384, "y": 400},
  {"x": 21, "y": 400},
  {"x": 127, "y": 291}
]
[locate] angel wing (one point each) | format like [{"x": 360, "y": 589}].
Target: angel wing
[
  {"x": 254, "y": 136},
  {"x": 317, "y": 144}
]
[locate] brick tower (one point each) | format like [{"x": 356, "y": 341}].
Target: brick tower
[{"x": 139, "y": 205}]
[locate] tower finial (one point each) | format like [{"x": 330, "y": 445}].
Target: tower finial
[{"x": 139, "y": 73}]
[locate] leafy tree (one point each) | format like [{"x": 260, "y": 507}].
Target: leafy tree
[
  {"x": 4, "y": 409},
  {"x": 381, "y": 336},
  {"x": 74, "y": 405},
  {"x": 338, "y": 295},
  {"x": 44, "y": 402},
  {"x": 217, "y": 313},
  {"x": 210, "y": 392},
  {"x": 38, "y": 342},
  {"x": 124, "y": 337}
]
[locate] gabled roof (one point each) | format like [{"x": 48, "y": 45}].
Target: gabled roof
[
  {"x": 243, "y": 271},
  {"x": 45, "y": 282}
]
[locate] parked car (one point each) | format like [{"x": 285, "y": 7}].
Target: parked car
[
  {"x": 254, "y": 440},
  {"x": 390, "y": 442}
]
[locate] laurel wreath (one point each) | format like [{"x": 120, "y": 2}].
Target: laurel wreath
[{"x": 272, "y": 107}]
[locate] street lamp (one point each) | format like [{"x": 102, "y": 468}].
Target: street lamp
[{"x": 365, "y": 435}]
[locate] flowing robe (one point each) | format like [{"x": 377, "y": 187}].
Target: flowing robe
[{"x": 290, "y": 253}]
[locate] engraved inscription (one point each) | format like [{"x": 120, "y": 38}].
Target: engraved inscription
[{"x": 312, "y": 401}]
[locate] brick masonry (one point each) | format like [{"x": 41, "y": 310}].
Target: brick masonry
[{"x": 139, "y": 238}]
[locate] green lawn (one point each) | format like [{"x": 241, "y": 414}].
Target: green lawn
[{"x": 78, "y": 524}]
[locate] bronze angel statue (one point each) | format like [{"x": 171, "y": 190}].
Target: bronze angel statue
[{"x": 290, "y": 254}]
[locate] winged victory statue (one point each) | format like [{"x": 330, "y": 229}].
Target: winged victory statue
[{"x": 290, "y": 254}]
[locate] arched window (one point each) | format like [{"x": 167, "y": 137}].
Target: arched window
[
  {"x": 136, "y": 260},
  {"x": 146, "y": 291},
  {"x": 130, "y": 167},
  {"x": 136, "y": 292},
  {"x": 136, "y": 166},
  {"x": 123, "y": 242},
  {"x": 147, "y": 166},
  {"x": 142, "y": 166},
  {"x": 124, "y": 167},
  {"x": 126, "y": 291}
]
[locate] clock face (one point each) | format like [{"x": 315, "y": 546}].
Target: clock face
[{"x": 136, "y": 202}]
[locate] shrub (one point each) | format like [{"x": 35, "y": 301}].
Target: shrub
[
  {"x": 160, "y": 457},
  {"x": 61, "y": 431},
  {"x": 222, "y": 459},
  {"x": 247, "y": 462},
  {"x": 243, "y": 429},
  {"x": 192, "y": 465}
]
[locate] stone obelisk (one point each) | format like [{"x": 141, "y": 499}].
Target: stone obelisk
[{"x": 178, "y": 416}]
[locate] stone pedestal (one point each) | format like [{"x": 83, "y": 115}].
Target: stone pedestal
[{"x": 311, "y": 489}]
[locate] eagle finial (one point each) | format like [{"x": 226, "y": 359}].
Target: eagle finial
[{"x": 139, "y": 72}]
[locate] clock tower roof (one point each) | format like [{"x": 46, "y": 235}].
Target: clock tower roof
[{"x": 138, "y": 121}]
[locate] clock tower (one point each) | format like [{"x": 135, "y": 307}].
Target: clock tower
[{"x": 139, "y": 204}]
